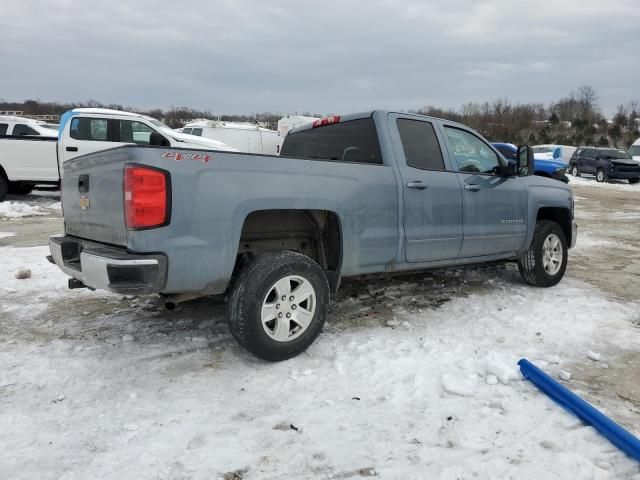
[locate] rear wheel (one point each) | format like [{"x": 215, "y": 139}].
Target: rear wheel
[
  {"x": 544, "y": 263},
  {"x": 574, "y": 171},
  {"x": 634, "y": 180},
  {"x": 600, "y": 175},
  {"x": 4, "y": 187},
  {"x": 278, "y": 305}
]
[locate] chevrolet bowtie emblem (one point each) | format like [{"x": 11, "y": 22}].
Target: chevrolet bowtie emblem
[{"x": 84, "y": 202}]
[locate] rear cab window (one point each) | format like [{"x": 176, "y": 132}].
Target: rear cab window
[
  {"x": 90, "y": 129},
  {"x": 3, "y": 128},
  {"x": 354, "y": 141}
]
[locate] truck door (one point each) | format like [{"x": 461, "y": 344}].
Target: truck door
[
  {"x": 431, "y": 191},
  {"x": 494, "y": 206},
  {"x": 83, "y": 135}
]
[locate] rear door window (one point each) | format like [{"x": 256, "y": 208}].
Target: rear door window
[
  {"x": 351, "y": 141},
  {"x": 420, "y": 144},
  {"x": 3, "y": 128},
  {"x": 197, "y": 131},
  {"x": 91, "y": 129},
  {"x": 20, "y": 129}
]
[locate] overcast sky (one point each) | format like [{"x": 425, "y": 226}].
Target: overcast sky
[{"x": 324, "y": 56}]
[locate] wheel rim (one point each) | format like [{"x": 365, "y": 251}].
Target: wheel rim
[
  {"x": 575, "y": 171},
  {"x": 600, "y": 176},
  {"x": 552, "y": 254},
  {"x": 288, "y": 308}
]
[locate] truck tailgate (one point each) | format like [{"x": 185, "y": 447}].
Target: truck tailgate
[{"x": 92, "y": 197}]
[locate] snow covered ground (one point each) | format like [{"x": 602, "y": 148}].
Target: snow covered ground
[{"x": 414, "y": 377}]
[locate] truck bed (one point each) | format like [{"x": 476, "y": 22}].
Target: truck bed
[{"x": 211, "y": 195}]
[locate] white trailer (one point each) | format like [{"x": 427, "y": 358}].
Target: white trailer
[{"x": 246, "y": 137}]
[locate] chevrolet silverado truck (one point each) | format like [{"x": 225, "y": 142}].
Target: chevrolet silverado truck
[{"x": 348, "y": 196}]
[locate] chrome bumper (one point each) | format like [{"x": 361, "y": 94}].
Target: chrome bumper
[{"x": 108, "y": 268}]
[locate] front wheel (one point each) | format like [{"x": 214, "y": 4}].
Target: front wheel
[
  {"x": 278, "y": 305},
  {"x": 544, "y": 263},
  {"x": 600, "y": 175}
]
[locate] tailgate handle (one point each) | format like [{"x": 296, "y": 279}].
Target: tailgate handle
[
  {"x": 71, "y": 149},
  {"x": 83, "y": 183}
]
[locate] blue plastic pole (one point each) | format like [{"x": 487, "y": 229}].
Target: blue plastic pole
[{"x": 617, "y": 435}]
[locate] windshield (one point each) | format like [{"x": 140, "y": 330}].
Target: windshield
[
  {"x": 542, "y": 150},
  {"x": 634, "y": 150},
  {"x": 157, "y": 123},
  {"x": 614, "y": 154}
]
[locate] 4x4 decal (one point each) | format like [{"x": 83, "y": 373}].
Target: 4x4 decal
[{"x": 179, "y": 156}]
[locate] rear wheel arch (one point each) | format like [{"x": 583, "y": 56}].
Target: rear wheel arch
[{"x": 314, "y": 233}]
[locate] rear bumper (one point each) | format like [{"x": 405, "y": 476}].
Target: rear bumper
[{"x": 109, "y": 268}]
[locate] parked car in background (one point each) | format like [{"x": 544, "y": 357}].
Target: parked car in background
[
  {"x": 365, "y": 193},
  {"x": 544, "y": 166},
  {"x": 21, "y": 126},
  {"x": 634, "y": 151},
  {"x": 605, "y": 163},
  {"x": 561, "y": 153},
  {"x": 29, "y": 160},
  {"x": 245, "y": 137}
]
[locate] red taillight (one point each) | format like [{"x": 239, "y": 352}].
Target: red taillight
[{"x": 145, "y": 197}]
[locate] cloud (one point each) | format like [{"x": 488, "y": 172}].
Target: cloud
[{"x": 242, "y": 56}]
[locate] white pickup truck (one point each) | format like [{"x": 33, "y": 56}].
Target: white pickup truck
[{"x": 29, "y": 160}]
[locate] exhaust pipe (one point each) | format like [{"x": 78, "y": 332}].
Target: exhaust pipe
[{"x": 173, "y": 300}]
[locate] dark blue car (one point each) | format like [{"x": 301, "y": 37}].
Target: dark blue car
[{"x": 543, "y": 166}]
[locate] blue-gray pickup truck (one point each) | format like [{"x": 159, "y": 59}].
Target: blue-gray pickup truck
[{"x": 348, "y": 196}]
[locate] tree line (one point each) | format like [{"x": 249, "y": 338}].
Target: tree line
[{"x": 575, "y": 119}]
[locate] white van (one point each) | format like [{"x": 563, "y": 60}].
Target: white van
[
  {"x": 560, "y": 153},
  {"x": 634, "y": 151},
  {"x": 246, "y": 137},
  {"x": 21, "y": 126}
]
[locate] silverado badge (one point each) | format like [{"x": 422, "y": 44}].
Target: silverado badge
[{"x": 84, "y": 202}]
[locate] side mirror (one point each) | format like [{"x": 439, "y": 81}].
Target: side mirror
[
  {"x": 526, "y": 163},
  {"x": 511, "y": 170},
  {"x": 158, "y": 140}
]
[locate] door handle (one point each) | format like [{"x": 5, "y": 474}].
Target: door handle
[
  {"x": 71, "y": 149},
  {"x": 418, "y": 185},
  {"x": 471, "y": 187}
]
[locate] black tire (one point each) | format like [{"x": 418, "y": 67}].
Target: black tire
[
  {"x": 250, "y": 290},
  {"x": 601, "y": 175},
  {"x": 531, "y": 264},
  {"x": 575, "y": 171},
  {"x": 633, "y": 181},
  {"x": 4, "y": 187},
  {"x": 18, "y": 188}
]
